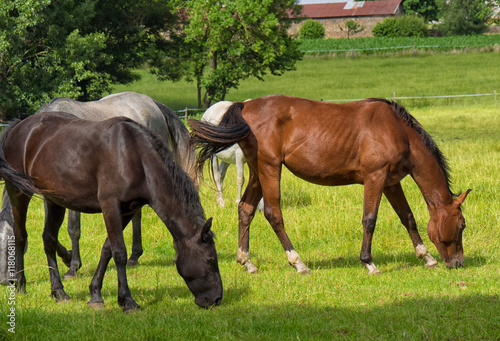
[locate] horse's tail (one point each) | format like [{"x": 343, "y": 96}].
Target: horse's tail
[
  {"x": 19, "y": 180},
  {"x": 184, "y": 152},
  {"x": 212, "y": 139}
]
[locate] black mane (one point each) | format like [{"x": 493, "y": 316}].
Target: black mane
[{"x": 186, "y": 192}]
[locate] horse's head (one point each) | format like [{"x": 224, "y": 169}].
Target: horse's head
[
  {"x": 197, "y": 264},
  {"x": 445, "y": 231}
]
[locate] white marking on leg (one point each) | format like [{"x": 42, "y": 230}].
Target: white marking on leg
[
  {"x": 422, "y": 253},
  {"x": 372, "y": 269},
  {"x": 244, "y": 259},
  {"x": 294, "y": 260}
]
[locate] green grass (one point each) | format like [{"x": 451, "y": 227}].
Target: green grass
[
  {"x": 339, "y": 300},
  {"x": 346, "y": 78}
]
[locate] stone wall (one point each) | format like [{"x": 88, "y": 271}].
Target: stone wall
[{"x": 335, "y": 27}]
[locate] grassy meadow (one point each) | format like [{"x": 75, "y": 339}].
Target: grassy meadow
[{"x": 339, "y": 300}]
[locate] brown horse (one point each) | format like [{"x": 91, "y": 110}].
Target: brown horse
[
  {"x": 114, "y": 167},
  {"x": 372, "y": 142}
]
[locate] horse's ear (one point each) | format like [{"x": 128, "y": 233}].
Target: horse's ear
[
  {"x": 206, "y": 228},
  {"x": 459, "y": 201}
]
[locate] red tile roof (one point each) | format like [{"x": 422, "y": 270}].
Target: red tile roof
[{"x": 351, "y": 9}]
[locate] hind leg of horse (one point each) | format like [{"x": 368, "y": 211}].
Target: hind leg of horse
[
  {"x": 246, "y": 212},
  {"x": 62, "y": 252},
  {"x": 136, "y": 240},
  {"x": 372, "y": 195},
  {"x": 219, "y": 172},
  {"x": 240, "y": 172},
  {"x": 270, "y": 181},
  {"x": 74, "y": 228},
  {"x": 20, "y": 204},
  {"x": 398, "y": 201},
  {"x": 54, "y": 217}
]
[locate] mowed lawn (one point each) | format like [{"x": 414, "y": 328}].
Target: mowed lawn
[{"x": 339, "y": 300}]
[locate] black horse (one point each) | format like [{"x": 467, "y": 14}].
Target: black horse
[
  {"x": 142, "y": 109},
  {"x": 114, "y": 167}
]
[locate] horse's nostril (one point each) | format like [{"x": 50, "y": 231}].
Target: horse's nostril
[{"x": 218, "y": 301}]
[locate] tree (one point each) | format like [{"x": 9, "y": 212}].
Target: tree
[
  {"x": 73, "y": 48},
  {"x": 428, "y": 9},
  {"x": 464, "y": 17},
  {"x": 227, "y": 41},
  {"x": 352, "y": 27}
]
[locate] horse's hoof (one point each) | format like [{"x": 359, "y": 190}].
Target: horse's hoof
[
  {"x": 132, "y": 262},
  {"x": 95, "y": 305},
  {"x": 60, "y": 296},
  {"x": 375, "y": 272},
  {"x": 70, "y": 274},
  {"x": 132, "y": 309},
  {"x": 251, "y": 269},
  {"x": 431, "y": 265},
  {"x": 305, "y": 271}
]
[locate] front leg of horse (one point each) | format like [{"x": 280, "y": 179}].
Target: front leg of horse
[
  {"x": 422, "y": 253},
  {"x": 95, "y": 287},
  {"x": 275, "y": 218},
  {"x": 136, "y": 240},
  {"x": 366, "y": 253},
  {"x": 397, "y": 199},
  {"x": 125, "y": 299}
]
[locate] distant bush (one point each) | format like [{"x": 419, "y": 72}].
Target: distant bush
[
  {"x": 311, "y": 29},
  {"x": 386, "y": 28},
  {"x": 402, "y": 26}
]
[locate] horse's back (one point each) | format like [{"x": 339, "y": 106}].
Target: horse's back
[
  {"x": 137, "y": 107},
  {"x": 326, "y": 143},
  {"x": 67, "y": 155},
  {"x": 216, "y": 111}
]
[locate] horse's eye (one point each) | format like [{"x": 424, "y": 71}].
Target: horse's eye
[{"x": 209, "y": 260}]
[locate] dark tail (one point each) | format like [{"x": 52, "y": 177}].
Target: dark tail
[
  {"x": 212, "y": 139},
  {"x": 184, "y": 151},
  {"x": 20, "y": 180}
]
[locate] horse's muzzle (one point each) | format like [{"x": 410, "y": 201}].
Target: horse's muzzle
[
  {"x": 455, "y": 264},
  {"x": 206, "y": 303}
]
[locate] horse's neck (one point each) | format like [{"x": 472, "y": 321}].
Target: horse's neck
[
  {"x": 430, "y": 178},
  {"x": 181, "y": 217}
]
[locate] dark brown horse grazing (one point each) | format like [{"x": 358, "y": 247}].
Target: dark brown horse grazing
[
  {"x": 114, "y": 167},
  {"x": 372, "y": 142}
]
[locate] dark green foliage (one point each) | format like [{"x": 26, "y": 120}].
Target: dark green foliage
[
  {"x": 464, "y": 17},
  {"x": 428, "y": 9},
  {"x": 227, "y": 41},
  {"x": 73, "y": 48},
  {"x": 402, "y": 26},
  {"x": 311, "y": 29}
]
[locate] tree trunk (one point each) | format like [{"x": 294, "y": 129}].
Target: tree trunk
[{"x": 198, "y": 89}]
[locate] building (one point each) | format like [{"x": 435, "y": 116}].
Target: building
[{"x": 333, "y": 14}]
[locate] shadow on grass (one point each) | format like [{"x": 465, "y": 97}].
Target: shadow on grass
[
  {"x": 462, "y": 318},
  {"x": 401, "y": 260}
]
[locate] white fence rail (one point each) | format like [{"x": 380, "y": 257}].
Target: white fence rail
[{"x": 394, "y": 97}]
